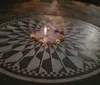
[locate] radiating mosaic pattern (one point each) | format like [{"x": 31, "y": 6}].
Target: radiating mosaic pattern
[{"x": 76, "y": 58}]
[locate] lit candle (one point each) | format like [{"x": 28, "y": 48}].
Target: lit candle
[{"x": 45, "y": 31}]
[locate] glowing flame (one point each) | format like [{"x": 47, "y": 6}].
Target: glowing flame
[{"x": 45, "y": 31}]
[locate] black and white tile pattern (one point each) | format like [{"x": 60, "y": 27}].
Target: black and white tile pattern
[{"x": 76, "y": 58}]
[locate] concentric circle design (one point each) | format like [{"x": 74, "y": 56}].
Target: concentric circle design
[{"x": 76, "y": 58}]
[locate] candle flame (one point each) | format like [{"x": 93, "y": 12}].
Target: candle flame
[{"x": 45, "y": 31}]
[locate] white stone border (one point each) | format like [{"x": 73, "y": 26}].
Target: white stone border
[{"x": 49, "y": 80}]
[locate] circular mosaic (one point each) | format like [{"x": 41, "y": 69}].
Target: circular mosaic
[{"x": 77, "y": 57}]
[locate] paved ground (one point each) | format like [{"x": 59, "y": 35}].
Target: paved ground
[{"x": 80, "y": 58}]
